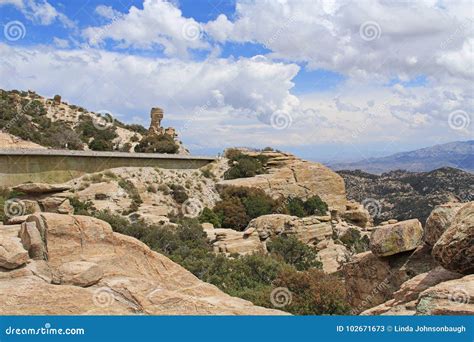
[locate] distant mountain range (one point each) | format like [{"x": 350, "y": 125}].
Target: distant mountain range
[
  {"x": 404, "y": 195},
  {"x": 459, "y": 154}
]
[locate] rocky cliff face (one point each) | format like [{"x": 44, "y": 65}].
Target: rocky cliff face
[
  {"x": 405, "y": 195},
  {"x": 65, "y": 264},
  {"x": 401, "y": 276},
  {"x": 288, "y": 176}
]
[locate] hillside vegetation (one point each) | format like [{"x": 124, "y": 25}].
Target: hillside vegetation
[{"x": 55, "y": 124}]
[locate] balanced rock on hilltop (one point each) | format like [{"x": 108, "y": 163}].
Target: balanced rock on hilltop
[
  {"x": 89, "y": 269},
  {"x": 289, "y": 176}
]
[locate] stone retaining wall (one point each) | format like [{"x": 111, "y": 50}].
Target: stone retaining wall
[{"x": 57, "y": 166}]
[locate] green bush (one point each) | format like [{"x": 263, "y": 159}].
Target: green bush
[
  {"x": 179, "y": 193},
  {"x": 296, "y": 207},
  {"x": 312, "y": 206},
  {"x": 243, "y": 166},
  {"x": 81, "y": 208},
  {"x": 353, "y": 240},
  {"x": 206, "y": 172},
  {"x": 152, "y": 143},
  {"x": 209, "y": 216},
  {"x": 315, "y": 206},
  {"x": 132, "y": 191},
  {"x": 294, "y": 252}
]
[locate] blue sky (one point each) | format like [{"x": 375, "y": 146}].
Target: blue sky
[{"x": 325, "y": 80}]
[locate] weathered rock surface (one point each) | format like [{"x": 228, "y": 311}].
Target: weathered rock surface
[
  {"x": 135, "y": 279},
  {"x": 333, "y": 256},
  {"x": 289, "y": 176},
  {"x": 372, "y": 280},
  {"x": 356, "y": 214},
  {"x": 455, "y": 248},
  {"x": 116, "y": 190},
  {"x": 396, "y": 238},
  {"x": 80, "y": 273},
  {"x": 40, "y": 188},
  {"x": 12, "y": 253},
  {"x": 32, "y": 241},
  {"x": 230, "y": 241},
  {"x": 439, "y": 220},
  {"x": 310, "y": 230},
  {"x": 454, "y": 297},
  {"x": 405, "y": 299}
]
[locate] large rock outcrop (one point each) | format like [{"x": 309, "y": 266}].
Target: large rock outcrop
[
  {"x": 405, "y": 299},
  {"x": 439, "y": 220},
  {"x": 289, "y": 176},
  {"x": 455, "y": 248},
  {"x": 372, "y": 280},
  {"x": 453, "y": 297},
  {"x": 415, "y": 283},
  {"x": 89, "y": 269},
  {"x": 315, "y": 231},
  {"x": 12, "y": 253}
]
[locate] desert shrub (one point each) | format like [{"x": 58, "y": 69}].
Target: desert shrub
[
  {"x": 4, "y": 196},
  {"x": 179, "y": 193},
  {"x": 239, "y": 205},
  {"x": 295, "y": 207},
  {"x": 125, "y": 147},
  {"x": 209, "y": 216},
  {"x": 132, "y": 191},
  {"x": 313, "y": 292},
  {"x": 294, "y": 252},
  {"x": 312, "y": 206},
  {"x": 152, "y": 143},
  {"x": 206, "y": 172},
  {"x": 232, "y": 214},
  {"x": 137, "y": 128},
  {"x": 152, "y": 188},
  {"x": 315, "y": 206},
  {"x": 102, "y": 139},
  {"x": 81, "y": 208},
  {"x": 243, "y": 166},
  {"x": 354, "y": 241}
]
